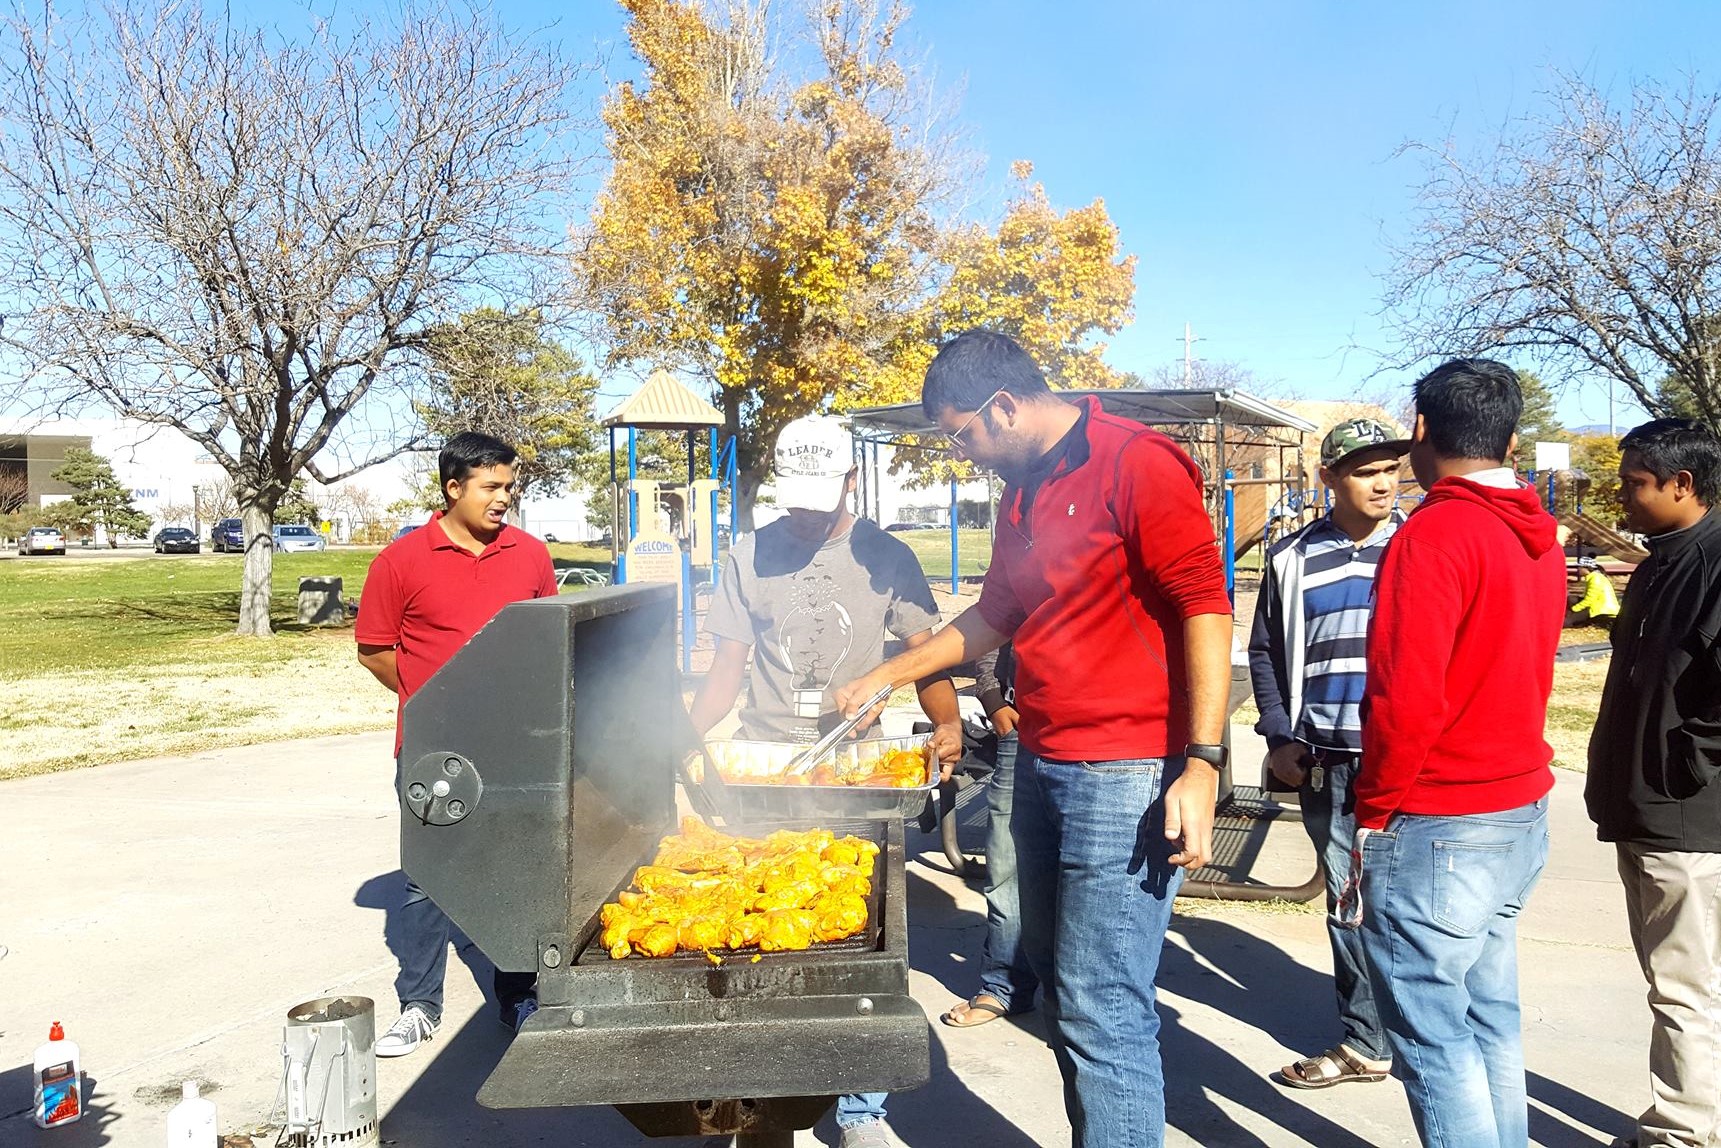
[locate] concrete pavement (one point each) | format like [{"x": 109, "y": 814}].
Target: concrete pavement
[{"x": 170, "y": 911}]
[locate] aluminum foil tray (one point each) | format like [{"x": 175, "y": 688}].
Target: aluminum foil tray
[{"x": 753, "y": 771}]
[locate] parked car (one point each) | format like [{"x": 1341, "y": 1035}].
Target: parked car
[
  {"x": 405, "y": 530},
  {"x": 900, "y": 527},
  {"x": 42, "y": 540},
  {"x": 298, "y": 537},
  {"x": 176, "y": 540},
  {"x": 227, "y": 537},
  {"x": 581, "y": 576}
]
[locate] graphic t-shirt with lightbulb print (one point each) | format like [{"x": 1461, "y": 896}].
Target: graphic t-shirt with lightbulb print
[{"x": 816, "y": 615}]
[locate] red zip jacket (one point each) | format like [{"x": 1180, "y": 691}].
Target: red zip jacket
[
  {"x": 1093, "y": 572},
  {"x": 1469, "y": 603}
]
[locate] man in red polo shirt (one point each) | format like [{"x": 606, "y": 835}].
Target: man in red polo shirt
[
  {"x": 425, "y": 596},
  {"x": 1105, "y": 574}
]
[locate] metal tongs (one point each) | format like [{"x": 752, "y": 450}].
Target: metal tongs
[{"x": 809, "y": 757}]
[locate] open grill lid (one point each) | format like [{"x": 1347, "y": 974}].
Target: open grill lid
[{"x": 537, "y": 767}]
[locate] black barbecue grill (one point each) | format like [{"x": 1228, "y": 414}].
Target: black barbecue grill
[{"x": 537, "y": 773}]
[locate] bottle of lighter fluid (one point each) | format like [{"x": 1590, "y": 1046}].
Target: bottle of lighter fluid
[
  {"x": 191, "y": 1123},
  {"x": 59, "y": 1080}
]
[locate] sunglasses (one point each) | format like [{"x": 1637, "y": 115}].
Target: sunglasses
[{"x": 955, "y": 436}]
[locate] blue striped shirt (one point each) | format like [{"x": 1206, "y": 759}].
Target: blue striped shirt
[{"x": 1338, "y": 595}]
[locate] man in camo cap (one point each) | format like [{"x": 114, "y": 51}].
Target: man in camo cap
[{"x": 1306, "y": 660}]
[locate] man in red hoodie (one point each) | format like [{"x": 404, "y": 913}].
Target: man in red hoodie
[{"x": 1451, "y": 800}]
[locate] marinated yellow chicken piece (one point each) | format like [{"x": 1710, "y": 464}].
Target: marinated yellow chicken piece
[
  {"x": 655, "y": 941},
  {"x": 791, "y": 896},
  {"x": 788, "y": 929},
  {"x": 616, "y": 932},
  {"x": 844, "y": 852},
  {"x": 744, "y": 930},
  {"x": 839, "y": 916},
  {"x": 706, "y": 932},
  {"x": 707, "y": 890}
]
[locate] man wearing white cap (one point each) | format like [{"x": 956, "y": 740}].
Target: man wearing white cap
[{"x": 812, "y": 596}]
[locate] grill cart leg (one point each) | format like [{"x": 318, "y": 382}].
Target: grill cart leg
[{"x": 763, "y": 1123}]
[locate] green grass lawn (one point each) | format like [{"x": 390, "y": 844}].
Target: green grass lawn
[
  {"x": 932, "y": 547},
  {"x": 112, "y": 612},
  {"x": 581, "y": 553}
]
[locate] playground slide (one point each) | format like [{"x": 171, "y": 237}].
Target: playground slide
[
  {"x": 1592, "y": 533},
  {"x": 1251, "y": 515}
]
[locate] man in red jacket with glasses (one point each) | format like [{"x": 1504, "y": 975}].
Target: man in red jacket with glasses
[
  {"x": 1452, "y": 796},
  {"x": 1105, "y": 574}
]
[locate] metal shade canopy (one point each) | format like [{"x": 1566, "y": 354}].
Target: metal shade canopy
[{"x": 1150, "y": 407}]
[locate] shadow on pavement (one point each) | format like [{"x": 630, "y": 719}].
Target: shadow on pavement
[
  {"x": 440, "y": 1109},
  {"x": 17, "y": 1127},
  {"x": 1256, "y": 983},
  {"x": 1586, "y": 1110},
  {"x": 387, "y": 892},
  {"x": 943, "y": 1114}
]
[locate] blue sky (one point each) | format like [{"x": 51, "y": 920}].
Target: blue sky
[{"x": 1246, "y": 150}]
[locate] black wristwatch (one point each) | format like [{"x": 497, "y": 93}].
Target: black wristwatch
[{"x": 1214, "y": 755}]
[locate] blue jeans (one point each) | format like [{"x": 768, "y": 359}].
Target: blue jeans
[
  {"x": 1441, "y": 898},
  {"x": 1096, "y": 886},
  {"x": 422, "y": 948},
  {"x": 1004, "y": 971},
  {"x": 860, "y": 1108},
  {"x": 1329, "y": 815},
  {"x": 423, "y": 952}
]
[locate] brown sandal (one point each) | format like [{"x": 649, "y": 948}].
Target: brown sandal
[
  {"x": 1336, "y": 1066},
  {"x": 986, "y": 1005}
]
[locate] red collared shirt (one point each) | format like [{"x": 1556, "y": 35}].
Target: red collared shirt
[
  {"x": 426, "y": 596},
  {"x": 1095, "y": 566}
]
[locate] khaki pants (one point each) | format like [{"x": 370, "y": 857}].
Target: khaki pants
[{"x": 1672, "y": 901}]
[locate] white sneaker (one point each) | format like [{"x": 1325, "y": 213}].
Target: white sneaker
[
  {"x": 867, "y": 1134},
  {"x": 405, "y": 1035}
]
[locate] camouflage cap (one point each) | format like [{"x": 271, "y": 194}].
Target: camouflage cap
[{"x": 1355, "y": 435}]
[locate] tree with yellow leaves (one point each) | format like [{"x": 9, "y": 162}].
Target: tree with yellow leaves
[
  {"x": 1056, "y": 282},
  {"x": 781, "y": 237}
]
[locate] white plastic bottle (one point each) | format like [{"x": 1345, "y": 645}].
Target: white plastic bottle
[
  {"x": 59, "y": 1078},
  {"x": 191, "y": 1122}
]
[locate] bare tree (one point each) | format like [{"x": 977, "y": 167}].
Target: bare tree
[
  {"x": 1590, "y": 235},
  {"x": 14, "y": 488},
  {"x": 174, "y": 514},
  {"x": 1214, "y": 375},
  {"x": 246, "y": 236}
]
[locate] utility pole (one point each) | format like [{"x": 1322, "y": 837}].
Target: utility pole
[{"x": 1189, "y": 341}]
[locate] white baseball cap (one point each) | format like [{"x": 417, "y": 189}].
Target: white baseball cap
[{"x": 811, "y": 469}]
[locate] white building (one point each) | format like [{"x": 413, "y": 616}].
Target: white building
[{"x": 172, "y": 479}]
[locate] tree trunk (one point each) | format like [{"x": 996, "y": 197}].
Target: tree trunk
[
  {"x": 747, "y": 484},
  {"x": 259, "y": 522}
]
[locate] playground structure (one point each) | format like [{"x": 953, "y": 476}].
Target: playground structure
[
  {"x": 1601, "y": 539},
  {"x": 675, "y": 538}
]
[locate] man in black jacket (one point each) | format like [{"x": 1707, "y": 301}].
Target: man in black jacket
[{"x": 1654, "y": 759}]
